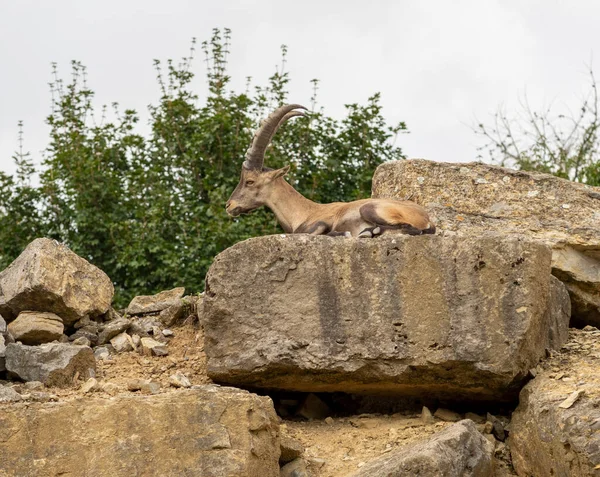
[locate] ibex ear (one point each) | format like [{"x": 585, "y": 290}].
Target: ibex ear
[{"x": 279, "y": 172}]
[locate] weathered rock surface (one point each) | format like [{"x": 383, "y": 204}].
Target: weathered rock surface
[
  {"x": 206, "y": 432},
  {"x": 2, "y": 353},
  {"x": 48, "y": 276},
  {"x": 112, "y": 329},
  {"x": 550, "y": 434},
  {"x": 457, "y": 451},
  {"x": 422, "y": 316},
  {"x": 54, "y": 364},
  {"x": 2, "y": 325},
  {"x": 155, "y": 303},
  {"x": 36, "y": 327},
  {"x": 474, "y": 198},
  {"x": 8, "y": 394}
]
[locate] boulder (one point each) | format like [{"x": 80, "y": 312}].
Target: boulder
[
  {"x": 426, "y": 316},
  {"x": 54, "y": 364},
  {"x": 152, "y": 304},
  {"x": 457, "y": 451},
  {"x": 207, "y": 431},
  {"x": 555, "y": 430},
  {"x": 474, "y": 198},
  {"x": 48, "y": 276},
  {"x": 36, "y": 327}
]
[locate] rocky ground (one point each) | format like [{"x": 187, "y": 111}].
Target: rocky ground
[{"x": 333, "y": 447}]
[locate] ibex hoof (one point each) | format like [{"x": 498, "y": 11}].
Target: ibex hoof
[
  {"x": 365, "y": 234},
  {"x": 376, "y": 230}
]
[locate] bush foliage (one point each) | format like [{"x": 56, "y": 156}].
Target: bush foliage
[{"x": 150, "y": 211}]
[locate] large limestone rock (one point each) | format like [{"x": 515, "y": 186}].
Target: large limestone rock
[
  {"x": 424, "y": 316},
  {"x": 54, "y": 364},
  {"x": 457, "y": 451},
  {"x": 36, "y": 327},
  {"x": 555, "y": 430},
  {"x": 48, "y": 276},
  {"x": 475, "y": 198},
  {"x": 203, "y": 432}
]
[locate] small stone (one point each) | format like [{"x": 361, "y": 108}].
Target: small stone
[
  {"x": 33, "y": 385},
  {"x": 426, "y": 416},
  {"x": 90, "y": 385},
  {"x": 447, "y": 415},
  {"x": 82, "y": 341},
  {"x": 171, "y": 315},
  {"x": 112, "y": 329},
  {"x": 329, "y": 420},
  {"x": 101, "y": 353},
  {"x": 488, "y": 427},
  {"x": 137, "y": 341},
  {"x": 151, "y": 347},
  {"x": 589, "y": 328},
  {"x": 122, "y": 343},
  {"x": 313, "y": 407},
  {"x": 167, "y": 332},
  {"x": 136, "y": 384},
  {"x": 179, "y": 380},
  {"x": 8, "y": 394},
  {"x": 150, "y": 388},
  {"x": 290, "y": 449},
  {"x": 295, "y": 468},
  {"x": 110, "y": 388},
  {"x": 317, "y": 462},
  {"x": 158, "y": 334},
  {"x": 2, "y": 325},
  {"x": 573, "y": 397},
  {"x": 498, "y": 427},
  {"x": 476, "y": 418},
  {"x": 481, "y": 180}
]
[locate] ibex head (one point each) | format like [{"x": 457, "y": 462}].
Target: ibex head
[{"x": 254, "y": 186}]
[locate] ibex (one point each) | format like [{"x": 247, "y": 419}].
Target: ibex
[{"x": 261, "y": 185}]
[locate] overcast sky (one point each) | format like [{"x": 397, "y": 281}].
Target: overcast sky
[{"x": 438, "y": 64}]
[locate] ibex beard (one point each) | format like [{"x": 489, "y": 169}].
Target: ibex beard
[{"x": 261, "y": 185}]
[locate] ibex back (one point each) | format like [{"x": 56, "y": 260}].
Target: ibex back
[{"x": 260, "y": 186}]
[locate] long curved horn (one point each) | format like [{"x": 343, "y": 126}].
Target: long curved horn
[{"x": 255, "y": 155}]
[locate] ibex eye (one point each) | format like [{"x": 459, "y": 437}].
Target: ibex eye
[{"x": 249, "y": 182}]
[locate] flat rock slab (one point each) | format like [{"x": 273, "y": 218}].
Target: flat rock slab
[
  {"x": 474, "y": 198},
  {"x": 48, "y": 276},
  {"x": 36, "y": 327},
  {"x": 456, "y": 318},
  {"x": 54, "y": 364},
  {"x": 154, "y": 303},
  {"x": 555, "y": 430},
  {"x": 457, "y": 451},
  {"x": 207, "y": 431}
]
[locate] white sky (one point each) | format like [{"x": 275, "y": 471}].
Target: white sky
[{"x": 438, "y": 64}]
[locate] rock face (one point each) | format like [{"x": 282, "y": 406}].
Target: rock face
[
  {"x": 474, "y": 198},
  {"x": 54, "y": 364},
  {"x": 457, "y": 451},
  {"x": 36, "y": 327},
  {"x": 422, "y": 316},
  {"x": 206, "y": 432},
  {"x": 48, "y": 276},
  {"x": 155, "y": 303},
  {"x": 555, "y": 430}
]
